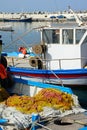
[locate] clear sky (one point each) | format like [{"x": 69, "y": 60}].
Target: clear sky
[{"x": 41, "y": 5}]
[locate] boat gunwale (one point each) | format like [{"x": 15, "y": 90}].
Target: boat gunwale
[{"x": 45, "y": 71}]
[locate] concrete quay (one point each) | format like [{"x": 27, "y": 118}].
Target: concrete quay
[{"x": 43, "y": 16}]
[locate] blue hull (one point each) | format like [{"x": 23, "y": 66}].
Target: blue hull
[
  {"x": 68, "y": 77},
  {"x": 18, "y": 20}
]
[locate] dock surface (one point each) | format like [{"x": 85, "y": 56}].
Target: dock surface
[{"x": 79, "y": 122}]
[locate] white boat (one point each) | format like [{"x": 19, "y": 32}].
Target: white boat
[{"x": 6, "y": 28}]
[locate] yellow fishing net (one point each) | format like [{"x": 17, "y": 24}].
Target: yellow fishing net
[{"x": 45, "y": 98}]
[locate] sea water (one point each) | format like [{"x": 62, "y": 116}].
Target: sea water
[{"x": 24, "y": 34}]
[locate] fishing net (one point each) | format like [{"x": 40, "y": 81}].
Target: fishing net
[
  {"x": 47, "y": 102},
  {"x": 46, "y": 97}
]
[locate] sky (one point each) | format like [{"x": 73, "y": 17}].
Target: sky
[{"x": 41, "y": 5}]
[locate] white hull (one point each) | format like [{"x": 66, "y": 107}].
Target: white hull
[{"x": 70, "y": 82}]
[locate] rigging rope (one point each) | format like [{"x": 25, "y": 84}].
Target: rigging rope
[{"x": 25, "y": 33}]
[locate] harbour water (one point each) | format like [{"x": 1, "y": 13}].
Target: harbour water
[{"x": 23, "y": 35}]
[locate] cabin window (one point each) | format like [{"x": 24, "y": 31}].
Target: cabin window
[
  {"x": 67, "y": 36},
  {"x": 56, "y": 36},
  {"x": 79, "y": 35},
  {"x": 51, "y": 36},
  {"x": 47, "y": 36}
]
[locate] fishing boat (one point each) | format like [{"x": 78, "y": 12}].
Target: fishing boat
[
  {"x": 60, "y": 57},
  {"x": 6, "y": 28},
  {"x": 22, "y": 18}
]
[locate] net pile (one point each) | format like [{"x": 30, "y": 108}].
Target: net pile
[
  {"x": 48, "y": 103},
  {"x": 45, "y": 98}
]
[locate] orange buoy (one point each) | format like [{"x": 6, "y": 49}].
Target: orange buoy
[{"x": 22, "y": 50}]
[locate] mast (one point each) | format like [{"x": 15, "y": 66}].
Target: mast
[{"x": 78, "y": 21}]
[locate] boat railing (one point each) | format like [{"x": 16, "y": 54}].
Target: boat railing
[
  {"x": 82, "y": 61},
  {"x": 24, "y": 62}
]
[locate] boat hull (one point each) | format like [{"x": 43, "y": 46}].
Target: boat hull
[
  {"x": 18, "y": 20},
  {"x": 65, "y": 77}
]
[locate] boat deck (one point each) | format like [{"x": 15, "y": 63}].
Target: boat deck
[
  {"x": 79, "y": 122},
  {"x": 18, "y": 62}
]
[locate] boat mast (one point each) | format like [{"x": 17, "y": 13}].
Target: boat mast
[{"x": 78, "y": 21}]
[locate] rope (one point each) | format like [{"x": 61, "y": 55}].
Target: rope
[
  {"x": 43, "y": 126},
  {"x": 57, "y": 78},
  {"x": 25, "y": 33},
  {"x": 19, "y": 38},
  {"x": 37, "y": 124},
  {"x": 23, "y": 41}
]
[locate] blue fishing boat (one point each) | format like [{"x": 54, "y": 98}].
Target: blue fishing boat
[{"x": 22, "y": 18}]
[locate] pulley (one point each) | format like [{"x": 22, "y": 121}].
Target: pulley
[
  {"x": 33, "y": 61},
  {"x": 37, "y": 49},
  {"x": 36, "y": 62}
]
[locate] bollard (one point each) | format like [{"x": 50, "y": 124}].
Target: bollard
[
  {"x": 3, "y": 121},
  {"x": 35, "y": 118}
]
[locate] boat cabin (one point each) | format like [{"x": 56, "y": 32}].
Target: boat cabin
[{"x": 66, "y": 47}]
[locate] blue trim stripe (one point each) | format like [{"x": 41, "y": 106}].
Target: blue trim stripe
[
  {"x": 36, "y": 71},
  {"x": 43, "y": 85}
]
